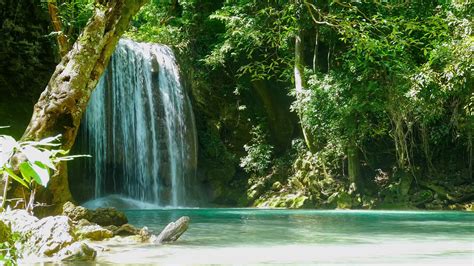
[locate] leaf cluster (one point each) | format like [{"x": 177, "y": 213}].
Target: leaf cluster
[{"x": 40, "y": 157}]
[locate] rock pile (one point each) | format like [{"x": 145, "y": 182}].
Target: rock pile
[{"x": 68, "y": 237}]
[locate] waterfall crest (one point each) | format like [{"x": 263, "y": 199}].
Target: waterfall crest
[{"x": 139, "y": 128}]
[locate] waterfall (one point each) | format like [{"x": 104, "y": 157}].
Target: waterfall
[{"x": 139, "y": 128}]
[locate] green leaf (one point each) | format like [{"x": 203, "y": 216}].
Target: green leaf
[
  {"x": 71, "y": 157},
  {"x": 50, "y": 140},
  {"x": 7, "y": 147},
  {"x": 17, "y": 178},
  {"x": 36, "y": 171},
  {"x": 33, "y": 155},
  {"x": 43, "y": 173}
]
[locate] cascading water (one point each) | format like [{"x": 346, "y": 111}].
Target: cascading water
[{"x": 139, "y": 128}]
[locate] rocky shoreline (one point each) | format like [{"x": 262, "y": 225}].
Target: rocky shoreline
[{"x": 76, "y": 234}]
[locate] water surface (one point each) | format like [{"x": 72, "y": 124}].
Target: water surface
[{"x": 244, "y": 236}]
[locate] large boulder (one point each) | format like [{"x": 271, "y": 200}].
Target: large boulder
[
  {"x": 19, "y": 220},
  {"x": 46, "y": 238},
  {"x": 88, "y": 230},
  {"x": 78, "y": 251},
  {"x": 49, "y": 235},
  {"x": 108, "y": 216},
  {"x": 128, "y": 230},
  {"x": 100, "y": 216},
  {"x": 76, "y": 213}
]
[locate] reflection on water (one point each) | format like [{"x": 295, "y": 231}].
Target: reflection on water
[{"x": 227, "y": 236}]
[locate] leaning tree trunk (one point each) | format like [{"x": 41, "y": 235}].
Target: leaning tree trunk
[{"x": 61, "y": 105}]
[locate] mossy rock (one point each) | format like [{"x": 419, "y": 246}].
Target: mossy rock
[
  {"x": 405, "y": 184},
  {"x": 422, "y": 197},
  {"x": 5, "y": 232},
  {"x": 344, "y": 200},
  {"x": 297, "y": 201},
  {"x": 277, "y": 186}
]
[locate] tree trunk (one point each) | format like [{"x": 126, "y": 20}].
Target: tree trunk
[
  {"x": 471, "y": 153},
  {"x": 61, "y": 105},
  {"x": 300, "y": 87},
  {"x": 353, "y": 166},
  {"x": 63, "y": 43},
  {"x": 353, "y": 160},
  {"x": 300, "y": 83}
]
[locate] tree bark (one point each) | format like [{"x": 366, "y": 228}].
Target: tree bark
[
  {"x": 63, "y": 43},
  {"x": 61, "y": 105},
  {"x": 300, "y": 87},
  {"x": 353, "y": 160},
  {"x": 353, "y": 166}
]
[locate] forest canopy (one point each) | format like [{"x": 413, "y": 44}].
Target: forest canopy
[
  {"x": 386, "y": 102},
  {"x": 304, "y": 103}
]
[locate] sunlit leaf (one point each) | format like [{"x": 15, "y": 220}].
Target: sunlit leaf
[
  {"x": 33, "y": 155},
  {"x": 7, "y": 147},
  {"x": 50, "y": 140},
  {"x": 17, "y": 178},
  {"x": 36, "y": 171}
]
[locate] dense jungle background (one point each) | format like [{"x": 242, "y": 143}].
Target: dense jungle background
[{"x": 298, "y": 103}]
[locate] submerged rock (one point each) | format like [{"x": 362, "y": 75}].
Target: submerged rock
[{"x": 125, "y": 230}]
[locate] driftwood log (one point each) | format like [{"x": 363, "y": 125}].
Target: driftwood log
[{"x": 173, "y": 231}]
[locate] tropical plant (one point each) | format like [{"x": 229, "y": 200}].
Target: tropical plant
[
  {"x": 8, "y": 251},
  {"x": 29, "y": 163},
  {"x": 259, "y": 153}
]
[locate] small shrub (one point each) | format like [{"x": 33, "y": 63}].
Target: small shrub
[{"x": 259, "y": 152}]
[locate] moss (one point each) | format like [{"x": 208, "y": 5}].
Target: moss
[{"x": 5, "y": 232}]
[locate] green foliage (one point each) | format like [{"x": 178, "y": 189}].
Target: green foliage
[
  {"x": 8, "y": 251},
  {"x": 33, "y": 159},
  {"x": 74, "y": 15},
  {"x": 257, "y": 37},
  {"x": 182, "y": 24},
  {"x": 26, "y": 57},
  {"x": 259, "y": 153},
  {"x": 390, "y": 80},
  {"x": 39, "y": 160}
]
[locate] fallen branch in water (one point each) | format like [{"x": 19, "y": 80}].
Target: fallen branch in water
[{"x": 173, "y": 231}]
